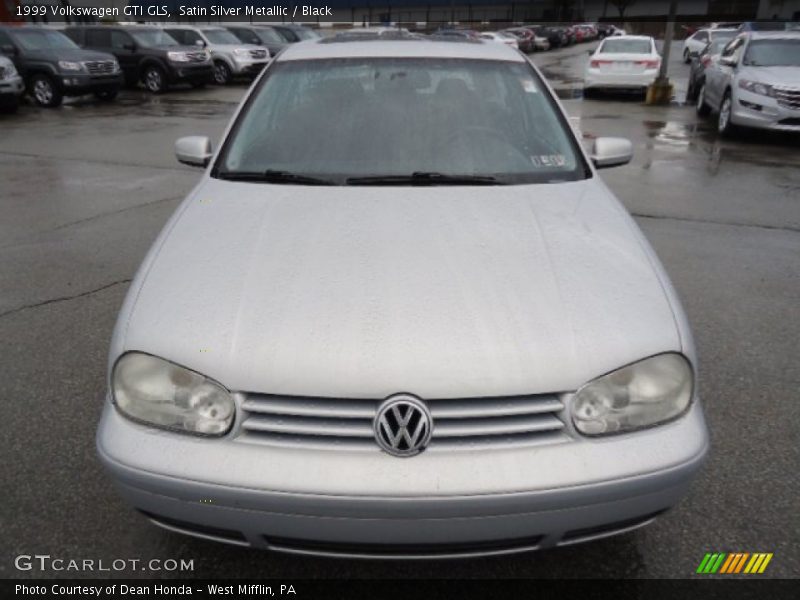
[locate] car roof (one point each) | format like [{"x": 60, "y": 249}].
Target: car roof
[
  {"x": 630, "y": 37},
  {"x": 408, "y": 47},
  {"x": 48, "y": 27},
  {"x": 771, "y": 35}
]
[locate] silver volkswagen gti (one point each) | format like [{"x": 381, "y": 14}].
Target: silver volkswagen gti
[{"x": 401, "y": 316}]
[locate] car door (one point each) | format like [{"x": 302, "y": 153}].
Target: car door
[
  {"x": 698, "y": 41},
  {"x": 718, "y": 72},
  {"x": 726, "y": 68},
  {"x": 124, "y": 48}
]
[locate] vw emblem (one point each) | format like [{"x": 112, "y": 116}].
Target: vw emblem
[{"x": 403, "y": 425}]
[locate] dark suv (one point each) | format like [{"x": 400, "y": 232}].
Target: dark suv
[
  {"x": 52, "y": 66},
  {"x": 149, "y": 55}
]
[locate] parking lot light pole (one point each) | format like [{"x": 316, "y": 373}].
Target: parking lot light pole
[{"x": 660, "y": 91}]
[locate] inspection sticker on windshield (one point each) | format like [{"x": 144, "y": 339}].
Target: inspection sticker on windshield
[
  {"x": 549, "y": 160},
  {"x": 529, "y": 86}
]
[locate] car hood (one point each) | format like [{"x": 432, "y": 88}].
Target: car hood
[
  {"x": 773, "y": 75},
  {"x": 69, "y": 54},
  {"x": 178, "y": 48},
  {"x": 369, "y": 291},
  {"x": 232, "y": 47}
]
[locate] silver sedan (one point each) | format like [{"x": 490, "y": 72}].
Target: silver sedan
[{"x": 402, "y": 316}]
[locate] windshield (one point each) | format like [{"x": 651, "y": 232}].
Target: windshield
[
  {"x": 773, "y": 53},
  {"x": 220, "y": 36},
  {"x": 339, "y": 119},
  {"x": 41, "y": 40},
  {"x": 305, "y": 34},
  {"x": 723, "y": 35},
  {"x": 716, "y": 46},
  {"x": 154, "y": 37},
  {"x": 270, "y": 36},
  {"x": 625, "y": 47}
]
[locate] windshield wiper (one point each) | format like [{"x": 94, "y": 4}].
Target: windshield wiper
[
  {"x": 271, "y": 176},
  {"x": 424, "y": 178}
]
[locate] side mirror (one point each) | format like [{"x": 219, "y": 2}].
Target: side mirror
[
  {"x": 200, "y": 43},
  {"x": 130, "y": 47},
  {"x": 590, "y": 52},
  {"x": 727, "y": 61},
  {"x": 194, "y": 150},
  {"x": 611, "y": 152},
  {"x": 694, "y": 54},
  {"x": 8, "y": 50}
]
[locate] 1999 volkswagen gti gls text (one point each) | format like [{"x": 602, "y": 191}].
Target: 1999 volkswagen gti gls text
[{"x": 401, "y": 316}]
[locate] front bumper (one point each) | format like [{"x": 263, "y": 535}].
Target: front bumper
[
  {"x": 595, "y": 78},
  {"x": 369, "y": 504},
  {"x": 249, "y": 68},
  {"x": 203, "y": 73},
  {"x": 80, "y": 84},
  {"x": 12, "y": 87},
  {"x": 764, "y": 112}
]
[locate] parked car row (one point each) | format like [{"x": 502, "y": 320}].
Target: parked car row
[
  {"x": 543, "y": 37},
  {"x": 51, "y": 64},
  {"x": 536, "y": 37}
]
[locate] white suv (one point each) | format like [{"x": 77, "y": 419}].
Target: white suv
[{"x": 755, "y": 83}]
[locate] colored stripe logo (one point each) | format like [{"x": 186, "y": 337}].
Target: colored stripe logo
[{"x": 734, "y": 563}]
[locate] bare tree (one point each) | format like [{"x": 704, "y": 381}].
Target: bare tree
[{"x": 622, "y": 6}]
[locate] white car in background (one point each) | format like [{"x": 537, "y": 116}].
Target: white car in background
[
  {"x": 501, "y": 38},
  {"x": 695, "y": 43},
  {"x": 623, "y": 62}
]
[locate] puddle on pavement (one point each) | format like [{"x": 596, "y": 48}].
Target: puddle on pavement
[
  {"x": 175, "y": 104},
  {"x": 674, "y": 132}
]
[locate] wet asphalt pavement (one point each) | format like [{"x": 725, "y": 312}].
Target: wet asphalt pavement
[{"x": 85, "y": 189}]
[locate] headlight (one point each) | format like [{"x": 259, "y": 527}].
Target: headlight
[
  {"x": 66, "y": 65},
  {"x": 160, "y": 393},
  {"x": 756, "y": 87},
  {"x": 241, "y": 53},
  {"x": 115, "y": 67},
  {"x": 178, "y": 56},
  {"x": 645, "y": 393}
]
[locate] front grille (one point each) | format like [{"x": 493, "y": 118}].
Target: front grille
[
  {"x": 259, "y": 54},
  {"x": 387, "y": 550},
  {"x": 467, "y": 423},
  {"x": 196, "y": 56},
  {"x": 788, "y": 97},
  {"x": 99, "y": 67}
]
